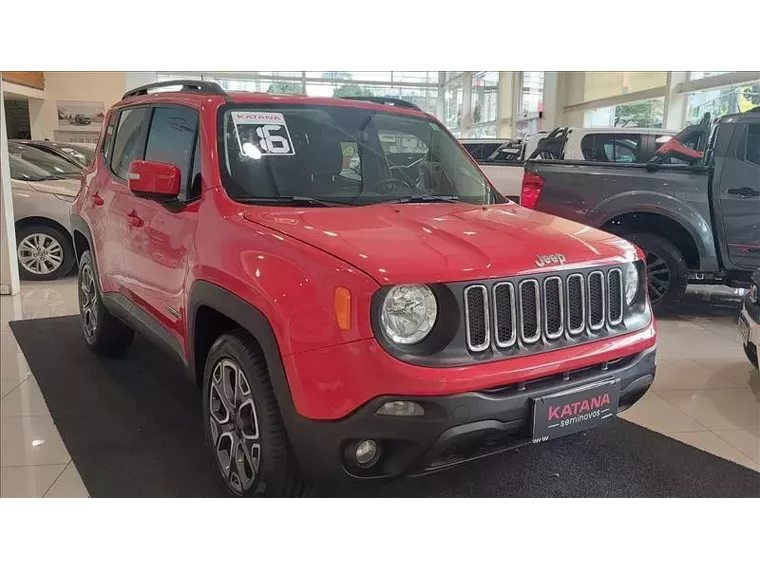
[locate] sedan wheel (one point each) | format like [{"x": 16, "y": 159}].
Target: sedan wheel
[{"x": 40, "y": 253}]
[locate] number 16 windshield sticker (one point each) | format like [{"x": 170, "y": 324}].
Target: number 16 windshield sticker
[{"x": 262, "y": 134}]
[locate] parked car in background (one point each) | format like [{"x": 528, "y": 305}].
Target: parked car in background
[
  {"x": 42, "y": 208},
  {"x": 53, "y": 165},
  {"x": 749, "y": 321},
  {"x": 81, "y": 120},
  {"x": 501, "y": 160},
  {"x": 342, "y": 326},
  {"x": 79, "y": 154},
  {"x": 698, "y": 223}
]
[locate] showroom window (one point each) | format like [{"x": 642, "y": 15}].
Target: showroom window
[
  {"x": 130, "y": 140},
  {"x": 722, "y": 101},
  {"x": 452, "y": 106},
  {"x": 532, "y": 92},
  {"x": 485, "y": 96},
  {"x": 641, "y": 114},
  {"x": 171, "y": 139}
]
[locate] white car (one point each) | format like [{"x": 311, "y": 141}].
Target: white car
[
  {"x": 44, "y": 187},
  {"x": 749, "y": 321}
]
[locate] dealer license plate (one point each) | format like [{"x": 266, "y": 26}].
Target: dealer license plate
[
  {"x": 743, "y": 329},
  {"x": 575, "y": 410}
]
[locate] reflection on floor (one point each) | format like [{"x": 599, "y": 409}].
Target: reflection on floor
[{"x": 706, "y": 393}]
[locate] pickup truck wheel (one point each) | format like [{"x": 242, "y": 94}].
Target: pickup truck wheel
[
  {"x": 242, "y": 421},
  {"x": 667, "y": 272},
  {"x": 103, "y": 332}
]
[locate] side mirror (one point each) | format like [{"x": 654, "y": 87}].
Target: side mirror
[{"x": 155, "y": 180}]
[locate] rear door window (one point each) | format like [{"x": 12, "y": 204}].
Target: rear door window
[
  {"x": 617, "y": 148},
  {"x": 749, "y": 148}
]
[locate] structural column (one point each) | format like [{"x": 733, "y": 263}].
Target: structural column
[
  {"x": 509, "y": 99},
  {"x": 674, "y": 111},
  {"x": 9, "y": 282}
]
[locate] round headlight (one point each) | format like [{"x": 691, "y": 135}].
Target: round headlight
[
  {"x": 409, "y": 313},
  {"x": 631, "y": 283}
]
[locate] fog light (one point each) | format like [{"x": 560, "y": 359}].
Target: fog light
[
  {"x": 366, "y": 453},
  {"x": 401, "y": 409}
]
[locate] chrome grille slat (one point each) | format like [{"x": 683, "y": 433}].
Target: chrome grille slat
[
  {"x": 595, "y": 300},
  {"x": 554, "y": 301},
  {"x": 573, "y": 308},
  {"x": 543, "y": 310},
  {"x": 532, "y": 318},
  {"x": 477, "y": 319},
  {"x": 615, "y": 297},
  {"x": 504, "y": 322}
]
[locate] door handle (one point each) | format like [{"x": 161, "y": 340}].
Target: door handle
[
  {"x": 134, "y": 219},
  {"x": 744, "y": 192},
  {"x": 97, "y": 200}
]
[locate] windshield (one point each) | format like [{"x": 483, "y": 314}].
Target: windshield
[
  {"x": 53, "y": 166},
  {"x": 80, "y": 154},
  {"x": 343, "y": 156},
  {"x": 21, "y": 170}
]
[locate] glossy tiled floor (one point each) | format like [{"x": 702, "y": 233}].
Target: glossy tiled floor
[{"x": 706, "y": 394}]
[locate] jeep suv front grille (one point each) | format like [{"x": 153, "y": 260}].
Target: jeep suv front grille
[{"x": 540, "y": 311}]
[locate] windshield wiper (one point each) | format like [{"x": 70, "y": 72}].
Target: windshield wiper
[
  {"x": 425, "y": 198},
  {"x": 295, "y": 200}
]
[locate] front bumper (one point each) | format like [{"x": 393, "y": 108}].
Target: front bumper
[{"x": 456, "y": 428}]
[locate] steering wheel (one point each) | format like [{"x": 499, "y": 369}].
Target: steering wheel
[{"x": 388, "y": 180}]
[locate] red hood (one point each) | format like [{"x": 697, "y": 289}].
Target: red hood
[{"x": 443, "y": 242}]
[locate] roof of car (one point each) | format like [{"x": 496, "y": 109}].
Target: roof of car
[{"x": 253, "y": 98}]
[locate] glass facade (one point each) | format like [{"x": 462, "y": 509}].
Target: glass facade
[
  {"x": 642, "y": 114},
  {"x": 722, "y": 101}
]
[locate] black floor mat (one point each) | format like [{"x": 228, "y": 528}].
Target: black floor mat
[{"x": 133, "y": 428}]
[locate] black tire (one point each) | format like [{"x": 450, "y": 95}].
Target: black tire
[
  {"x": 663, "y": 258},
  {"x": 103, "y": 332},
  {"x": 277, "y": 473},
  {"x": 51, "y": 236}
]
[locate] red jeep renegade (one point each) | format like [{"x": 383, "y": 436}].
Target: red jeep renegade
[{"x": 346, "y": 288}]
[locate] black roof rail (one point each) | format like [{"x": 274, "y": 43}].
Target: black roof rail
[
  {"x": 391, "y": 101},
  {"x": 188, "y": 86}
]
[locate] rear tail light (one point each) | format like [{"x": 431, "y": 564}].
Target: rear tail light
[{"x": 532, "y": 184}]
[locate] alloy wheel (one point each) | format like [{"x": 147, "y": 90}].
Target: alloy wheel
[
  {"x": 88, "y": 302},
  {"x": 234, "y": 426},
  {"x": 658, "y": 277},
  {"x": 40, "y": 253}
]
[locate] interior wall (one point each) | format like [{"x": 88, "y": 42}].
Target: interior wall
[{"x": 93, "y": 86}]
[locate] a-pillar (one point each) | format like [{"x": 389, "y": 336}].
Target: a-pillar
[
  {"x": 9, "y": 283},
  {"x": 674, "y": 112}
]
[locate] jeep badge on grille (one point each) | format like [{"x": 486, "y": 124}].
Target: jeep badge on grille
[{"x": 554, "y": 259}]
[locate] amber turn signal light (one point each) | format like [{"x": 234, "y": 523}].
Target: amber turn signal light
[{"x": 343, "y": 308}]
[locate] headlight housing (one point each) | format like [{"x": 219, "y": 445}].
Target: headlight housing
[
  {"x": 408, "y": 313},
  {"x": 631, "y": 283},
  {"x": 753, "y": 294}
]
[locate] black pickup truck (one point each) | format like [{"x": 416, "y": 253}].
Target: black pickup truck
[{"x": 694, "y": 208}]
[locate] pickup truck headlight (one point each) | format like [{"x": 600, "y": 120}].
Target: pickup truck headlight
[
  {"x": 753, "y": 298},
  {"x": 631, "y": 283},
  {"x": 409, "y": 313}
]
